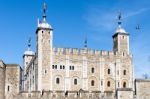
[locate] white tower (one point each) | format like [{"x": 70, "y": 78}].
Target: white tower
[{"x": 44, "y": 35}]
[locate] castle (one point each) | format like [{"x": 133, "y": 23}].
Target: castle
[{"x": 60, "y": 73}]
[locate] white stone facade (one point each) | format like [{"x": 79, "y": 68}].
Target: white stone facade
[{"x": 69, "y": 69}]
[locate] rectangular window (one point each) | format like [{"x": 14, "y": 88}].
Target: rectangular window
[
  {"x": 70, "y": 67},
  {"x": 63, "y": 67},
  {"x": 60, "y": 66},
  {"x": 55, "y": 66},
  {"x": 8, "y": 88}
]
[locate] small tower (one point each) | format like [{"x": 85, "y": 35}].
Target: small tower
[
  {"x": 121, "y": 39},
  {"x": 27, "y": 57},
  {"x": 44, "y": 41}
]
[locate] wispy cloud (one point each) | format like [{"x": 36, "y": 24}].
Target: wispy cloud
[
  {"x": 100, "y": 20},
  {"x": 137, "y": 12}
]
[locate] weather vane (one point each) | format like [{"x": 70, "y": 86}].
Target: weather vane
[
  {"x": 119, "y": 18},
  {"x": 85, "y": 43},
  {"x": 44, "y": 11},
  {"x": 29, "y": 42}
]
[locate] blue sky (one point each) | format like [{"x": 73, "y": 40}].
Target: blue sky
[{"x": 72, "y": 20}]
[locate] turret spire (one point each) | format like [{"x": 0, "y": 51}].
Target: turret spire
[
  {"x": 44, "y": 12},
  {"x": 119, "y": 18},
  {"x": 85, "y": 42},
  {"x": 29, "y": 43}
]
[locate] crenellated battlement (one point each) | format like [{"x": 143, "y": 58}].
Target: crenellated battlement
[{"x": 76, "y": 51}]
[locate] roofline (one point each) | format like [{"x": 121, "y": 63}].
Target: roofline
[
  {"x": 40, "y": 28},
  {"x": 14, "y": 65},
  {"x": 142, "y": 80},
  {"x": 120, "y": 33}
]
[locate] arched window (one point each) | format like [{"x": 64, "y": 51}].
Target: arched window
[
  {"x": 57, "y": 80},
  {"x": 124, "y": 84},
  {"x": 108, "y": 84},
  {"x": 92, "y": 70},
  {"x": 92, "y": 83},
  {"x": 124, "y": 72},
  {"x": 75, "y": 81},
  {"x": 108, "y": 71}
]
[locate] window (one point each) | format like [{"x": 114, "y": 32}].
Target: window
[
  {"x": 8, "y": 88},
  {"x": 60, "y": 66},
  {"x": 108, "y": 84},
  {"x": 124, "y": 72},
  {"x": 124, "y": 85},
  {"x": 53, "y": 66},
  {"x": 72, "y": 67},
  {"x": 75, "y": 81},
  {"x": 118, "y": 84},
  {"x": 123, "y": 53},
  {"x": 63, "y": 67},
  {"x": 92, "y": 70},
  {"x": 57, "y": 80},
  {"x": 92, "y": 83},
  {"x": 45, "y": 71},
  {"x": 108, "y": 71}
]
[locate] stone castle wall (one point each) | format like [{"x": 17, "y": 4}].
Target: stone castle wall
[
  {"x": 2, "y": 79},
  {"x": 83, "y": 61},
  {"x": 142, "y": 88},
  {"x": 12, "y": 80}
]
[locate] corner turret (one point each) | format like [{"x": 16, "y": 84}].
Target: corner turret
[{"x": 121, "y": 38}]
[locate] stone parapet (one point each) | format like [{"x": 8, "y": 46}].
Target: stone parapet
[{"x": 76, "y": 51}]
